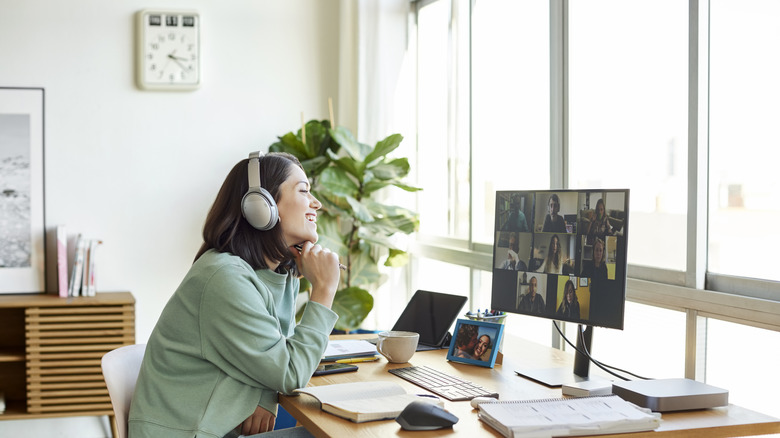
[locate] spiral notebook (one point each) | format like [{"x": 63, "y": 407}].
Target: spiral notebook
[{"x": 594, "y": 415}]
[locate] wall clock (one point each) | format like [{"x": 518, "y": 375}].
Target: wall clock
[{"x": 167, "y": 50}]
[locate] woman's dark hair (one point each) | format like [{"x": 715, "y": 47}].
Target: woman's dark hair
[
  {"x": 226, "y": 229},
  {"x": 466, "y": 332}
]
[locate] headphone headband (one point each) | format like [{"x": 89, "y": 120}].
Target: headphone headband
[{"x": 254, "y": 169}]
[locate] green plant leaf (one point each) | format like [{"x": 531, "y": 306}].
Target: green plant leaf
[
  {"x": 314, "y": 166},
  {"x": 344, "y": 137},
  {"x": 359, "y": 210},
  {"x": 397, "y": 258},
  {"x": 317, "y": 137},
  {"x": 394, "y": 224},
  {"x": 333, "y": 204},
  {"x": 406, "y": 187},
  {"x": 352, "y": 305},
  {"x": 384, "y": 147},
  {"x": 337, "y": 183},
  {"x": 354, "y": 167},
  {"x": 291, "y": 144},
  {"x": 364, "y": 269},
  {"x": 330, "y": 236},
  {"x": 392, "y": 170}
]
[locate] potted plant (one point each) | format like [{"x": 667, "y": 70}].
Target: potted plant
[{"x": 347, "y": 176}]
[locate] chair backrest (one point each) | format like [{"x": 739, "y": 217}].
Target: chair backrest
[{"x": 120, "y": 371}]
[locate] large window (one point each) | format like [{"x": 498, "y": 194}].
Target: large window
[{"x": 674, "y": 100}]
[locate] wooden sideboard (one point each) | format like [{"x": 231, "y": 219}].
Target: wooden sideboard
[{"x": 50, "y": 352}]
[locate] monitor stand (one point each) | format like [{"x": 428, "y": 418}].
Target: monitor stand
[{"x": 556, "y": 377}]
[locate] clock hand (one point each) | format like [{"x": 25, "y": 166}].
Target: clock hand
[{"x": 176, "y": 60}]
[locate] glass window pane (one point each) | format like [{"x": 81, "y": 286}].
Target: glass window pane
[
  {"x": 630, "y": 348},
  {"x": 510, "y": 103},
  {"x": 432, "y": 132},
  {"x": 744, "y": 360},
  {"x": 744, "y": 67},
  {"x": 628, "y": 116}
]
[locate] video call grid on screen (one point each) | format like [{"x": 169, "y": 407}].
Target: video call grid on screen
[{"x": 524, "y": 256}]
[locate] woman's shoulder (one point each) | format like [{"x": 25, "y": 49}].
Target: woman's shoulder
[{"x": 216, "y": 260}]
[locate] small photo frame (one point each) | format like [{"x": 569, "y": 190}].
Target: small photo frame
[{"x": 475, "y": 342}]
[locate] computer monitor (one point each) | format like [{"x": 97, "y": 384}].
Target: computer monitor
[{"x": 561, "y": 254}]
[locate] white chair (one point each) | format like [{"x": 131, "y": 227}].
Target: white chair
[{"x": 120, "y": 371}]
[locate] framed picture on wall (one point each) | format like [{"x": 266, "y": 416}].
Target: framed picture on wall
[
  {"x": 22, "y": 224},
  {"x": 475, "y": 342}
]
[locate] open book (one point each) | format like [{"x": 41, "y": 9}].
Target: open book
[
  {"x": 363, "y": 401},
  {"x": 594, "y": 415}
]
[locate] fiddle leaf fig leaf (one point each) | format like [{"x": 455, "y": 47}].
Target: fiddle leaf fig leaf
[
  {"x": 391, "y": 170},
  {"x": 343, "y": 137},
  {"x": 338, "y": 183},
  {"x": 397, "y": 258},
  {"x": 291, "y": 144},
  {"x": 384, "y": 147},
  {"x": 352, "y": 305},
  {"x": 354, "y": 167},
  {"x": 359, "y": 210}
]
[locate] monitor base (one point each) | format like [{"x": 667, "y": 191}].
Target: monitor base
[{"x": 552, "y": 377}]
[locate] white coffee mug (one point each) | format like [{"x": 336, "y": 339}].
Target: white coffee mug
[{"x": 397, "y": 346}]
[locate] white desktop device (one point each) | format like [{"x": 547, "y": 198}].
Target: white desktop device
[{"x": 667, "y": 395}]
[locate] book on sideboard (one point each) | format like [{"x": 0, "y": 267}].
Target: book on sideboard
[
  {"x": 62, "y": 261},
  {"x": 82, "y": 277}
]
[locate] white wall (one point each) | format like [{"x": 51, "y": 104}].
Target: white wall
[{"x": 140, "y": 169}]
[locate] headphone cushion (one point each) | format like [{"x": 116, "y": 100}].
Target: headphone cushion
[{"x": 259, "y": 209}]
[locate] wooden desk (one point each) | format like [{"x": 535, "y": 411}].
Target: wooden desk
[{"x": 719, "y": 422}]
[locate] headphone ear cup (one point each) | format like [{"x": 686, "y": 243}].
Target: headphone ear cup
[{"x": 259, "y": 209}]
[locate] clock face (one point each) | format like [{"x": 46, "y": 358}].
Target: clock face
[{"x": 168, "y": 50}]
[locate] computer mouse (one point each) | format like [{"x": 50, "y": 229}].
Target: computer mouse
[
  {"x": 476, "y": 401},
  {"x": 422, "y": 415}
]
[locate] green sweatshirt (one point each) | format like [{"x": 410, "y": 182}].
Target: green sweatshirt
[{"x": 225, "y": 343}]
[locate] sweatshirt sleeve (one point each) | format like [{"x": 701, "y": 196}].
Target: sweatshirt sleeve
[{"x": 240, "y": 333}]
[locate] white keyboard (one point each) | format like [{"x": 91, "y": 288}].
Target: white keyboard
[{"x": 442, "y": 384}]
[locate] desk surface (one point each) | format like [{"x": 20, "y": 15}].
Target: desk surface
[{"x": 719, "y": 422}]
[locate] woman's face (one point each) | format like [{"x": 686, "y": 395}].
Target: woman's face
[
  {"x": 554, "y": 245},
  {"x": 297, "y": 209},
  {"x": 600, "y": 210},
  {"x": 569, "y": 293},
  {"x": 482, "y": 345}
]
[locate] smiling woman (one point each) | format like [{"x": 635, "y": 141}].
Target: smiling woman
[{"x": 232, "y": 322}]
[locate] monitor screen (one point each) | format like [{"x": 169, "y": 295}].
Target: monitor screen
[{"x": 561, "y": 254}]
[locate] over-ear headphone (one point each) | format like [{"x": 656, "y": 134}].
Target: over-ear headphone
[{"x": 257, "y": 205}]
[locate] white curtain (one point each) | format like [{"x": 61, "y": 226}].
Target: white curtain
[{"x": 373, "y": 52}]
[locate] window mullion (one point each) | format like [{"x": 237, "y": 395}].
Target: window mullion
[
  {"x": 559, "y": 75},
  {"x": 698, "y": 129}
]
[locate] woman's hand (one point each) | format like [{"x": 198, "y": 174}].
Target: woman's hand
[
  {"x": 260, "y": 421},
  {"x": 321, "y": 267}
]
